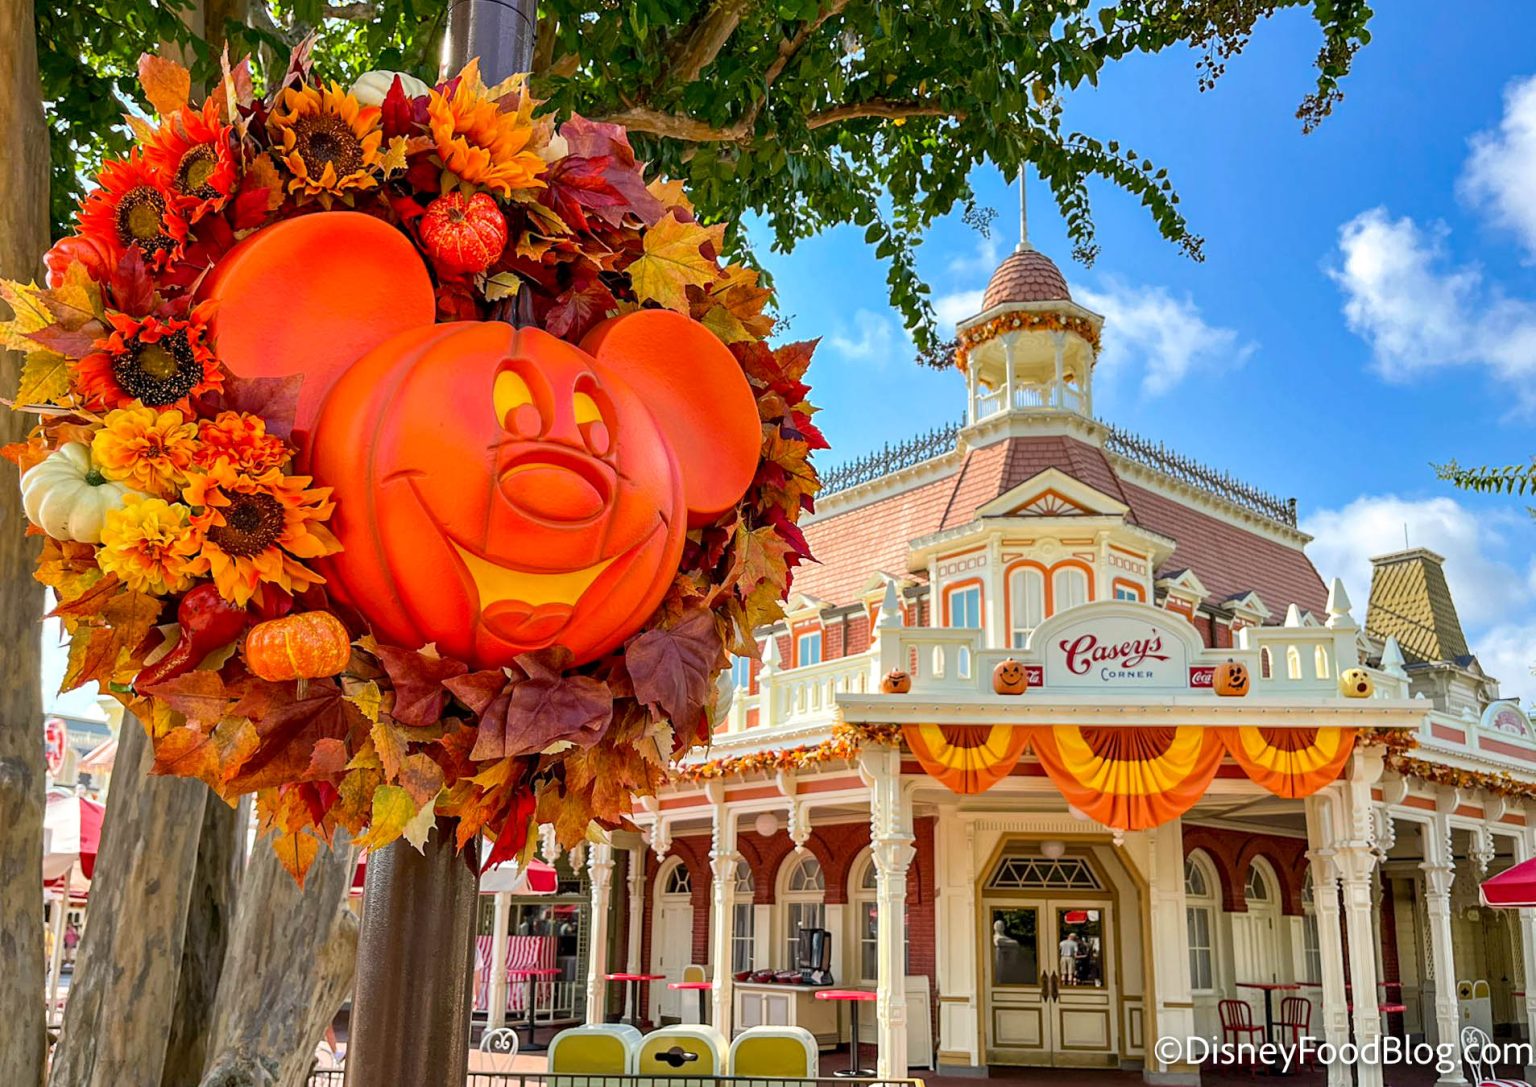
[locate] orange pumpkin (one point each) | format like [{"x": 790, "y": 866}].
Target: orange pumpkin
[
  {"x": 1009, "y": 677},
  {"x": 499, "y": 490},
  {"x": 308, "y": 645},
  {"x": 896, "y": 682},
  {"x": 1230, "y": 679}
]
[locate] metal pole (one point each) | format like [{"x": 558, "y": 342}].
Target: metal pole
[
  {"x": 415, "y": 954},
  {"x": 499, "y": 32}
]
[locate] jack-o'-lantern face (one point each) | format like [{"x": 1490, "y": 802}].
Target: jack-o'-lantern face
[
  {"x": 499, "y": 490},
  {"x": 896, "y": 682},
  {"x": 1356, "y": 683},
  {"x": 1231, "y": 679},
  {"x": 1009, "y": 677}
]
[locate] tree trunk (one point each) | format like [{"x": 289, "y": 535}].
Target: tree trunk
[
  {"x": 122, "y": 1002},
  {"x": 290, "y": 964},
  {"x": 23, "y": 238}
]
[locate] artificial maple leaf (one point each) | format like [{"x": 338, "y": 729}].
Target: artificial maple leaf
[
  {"x": 274, "y": 399},
  {"x": 392, "y": 809},
  {"x": 88, "y": 604},
  {"x": 421, "y": 777},
  {"x": 673, "y": 260},
  {"x": 76, "y": 301},
  {"x": 213, "y": 756},
  {"x": 673, "y": 666},
  {"x": 289, "y": 727},
  {"x": 328, "y": 756},
  {"x": 594, "y": 140},
  {"x": 389, "y": 742},
  {"x": 44, "y": 379},
  {"x": 545, "y": 707},
  {"x": 419, "y": 828},
  {"x": 513, "y": 833},
  {"x": 366, "y": 697},
  {"x": 355, "y": 798},
  {"x": 67, "y": 567},
  {"x": 585, "y": 303},
  {"x": 29, "y": 313},
  {"x": 477, "y": 689},
  {"x": 199, "y": 695},
  {"x": 166, "y": 84},
  {"x": 418, "y": 678},
  {"x": 235, "y": 89},
  {"x": 296, "y": 852},
  {"x": 758, "y": 555}
]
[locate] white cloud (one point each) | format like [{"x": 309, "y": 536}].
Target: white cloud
[
  {"x": 980, "y": 263},
  {"x": 953, "y": 308},
  {"x": 1500, "y": 169},
  {"x": 1482, "y": 552},
  {"x": 875, "y": 339},
  {"x": 1166, "y": 336}
]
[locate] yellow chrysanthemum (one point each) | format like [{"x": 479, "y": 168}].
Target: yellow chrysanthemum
[
  {"x": 148, "y": 543},
  {"x": 328, "y": 140},
  {"x": 256, "y": 529},
  {"x": 481, "y": 142},
  {"x": 147, "y": 449}
]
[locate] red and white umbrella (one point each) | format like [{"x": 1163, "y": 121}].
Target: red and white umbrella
[
  {"x": 71, "y": 836},
  {"x": 536, "y": 878},
  {"x": 1512, "y": 888}
]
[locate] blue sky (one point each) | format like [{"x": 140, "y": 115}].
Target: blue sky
[{"x": 1367, "y": 305}]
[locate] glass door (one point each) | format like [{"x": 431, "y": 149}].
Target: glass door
[
  {"x": 1018, "y": 985},
  {"x": 1082, "y": 1003}
]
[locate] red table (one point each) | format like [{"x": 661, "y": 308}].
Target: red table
[
  {"x": 1269, "y": 988},
  {"x": 634, "y": 980},
  {"x": 701, "y": 987},
  {"x": 855, "y": 997},
  {"x": 531, "y": 975}
]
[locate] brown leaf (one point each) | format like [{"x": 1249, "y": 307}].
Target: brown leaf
[
  {"x": 290, "y": 727},
  {"x": 421, "y": 777},
  {"x": 199, "y": 695},
  {"x": 213, "y": 757},
  {"x": 544, "y": 708},
  {"x": 418, "y": 680},
  {"x": 166, "y": 84},
  {"x": 673, "y": 667},
  {"x": 389, "y": 741},
  {"x": 328, "y": 756},
  {"x": 477, "y": 689}
]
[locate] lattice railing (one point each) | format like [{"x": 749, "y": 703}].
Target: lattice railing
[
  {"x": 891, "y": 458},
  {"x": 1160, "y": 458}
]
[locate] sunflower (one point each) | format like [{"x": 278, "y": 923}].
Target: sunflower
[
  {"x": 193, "y": 153},
  {"x": 148, "y": 543},
  {"x": 256, "y": 528},
  {"x": 131, "y": 207},
  {"x": 479, "y": 141},
  {"x": 147, "y": 449},
  {"x": 327, "y": 139},
  {"x": 159, "y": 362},
  {"x": 241, "y": 440}
]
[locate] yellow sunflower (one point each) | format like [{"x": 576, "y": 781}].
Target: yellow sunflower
[
  {"x": 147, "y": 449},
  {"x": 148, "y": 543},
  {"x": 479, "y": 140},
  {"x": 257, "y": 528},
  {"x": 327, "y": 139}
]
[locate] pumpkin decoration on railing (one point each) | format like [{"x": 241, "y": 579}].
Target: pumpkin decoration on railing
[
  {"x": 336, "y": 531},
  {"x": 1230, "y": 679}
]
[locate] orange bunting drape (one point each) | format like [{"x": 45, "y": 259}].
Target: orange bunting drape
[
  {"x": 1290, "y": 762},
  {"x": 1129, "y": 778},
  {"x": 967, "y": 759}
]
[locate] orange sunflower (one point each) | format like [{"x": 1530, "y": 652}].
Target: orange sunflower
[
  {"x": 257, "y": 528},
  {"x": 194, "y": 154},
  {"x": 479, "y": 141},
  {"x": 148, "y": 543},
  {"x": 148, "y": 450},
  {"x": 241, "y": 440},
  {"x": 159, "y": 362},
  {"x": 131, "y": 207},
  {"x": 328, "y": 141}
]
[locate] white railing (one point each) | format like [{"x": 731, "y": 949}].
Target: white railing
[
  {"x": 809, "y": 694},
  {"x": 1030, "y": 394}
]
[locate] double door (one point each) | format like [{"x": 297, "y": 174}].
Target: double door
[{"x": 1050, "y": 984}]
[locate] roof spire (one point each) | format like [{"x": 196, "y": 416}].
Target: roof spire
[{"x": 1023, "y": 214}]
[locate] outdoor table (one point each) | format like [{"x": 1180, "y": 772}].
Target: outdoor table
[
  {"x": 634, "y": 980},
  {"x": 701, "y": 987},
  {"x": 854, "y": 997},
  {"x": 1269, "y": 988},
  {"x": 531, "y": 975}
]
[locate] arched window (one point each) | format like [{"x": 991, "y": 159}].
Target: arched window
[
  {"x": 1200, "y": 918},
  {"x": 1026, "y": 603},
  {"x": 742, "y": 928},
  {"x": 867, "y": 919},
  {"x": 678, "y": 880},
  {"x": 1292, "y": 662},
  {"x": 1069, "y": 588},
  {"x": 1257, "y": 888},
  {"x": 1320, "y": 661},
  {"x": 803, "y": 897},
  {"x": 1312, "y": 952}
]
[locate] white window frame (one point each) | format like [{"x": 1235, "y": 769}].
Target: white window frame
[
  {"x": 806, "y": 907},
  {"x": 743, "y": 929},
  {"x": 1311, "y": 945},
  {"x": 804, "y": 639},
  {"x": 865, "y": 899},
  {"x": 973, "y": 592},
  {"x": 1062, "y": 575},
  {"x": 1201, "y": 912},
  {"x": 1024, "y": 613}
]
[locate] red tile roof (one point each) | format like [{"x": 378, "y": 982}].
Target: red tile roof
[{"x": 1028, "y": 275}]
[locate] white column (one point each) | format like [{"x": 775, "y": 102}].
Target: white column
[
  {"x": 1321, "y": 809},
  {"x": 970, "y": 391},
  {"x": 1173, "y": 996},
  {"x": 955, "y": 937},
  {"x": 1357, "y": 864},
  {"x": 891, "y": 845},
  {"x": 1059, "y": 389},
  {"x": 635, "y": 928},
  {"x": 600, "y": 873},
  {"x": 497, "y": 995},
  {"x": 1439, "y": 868},
  {"x": 1008, "y": 341},
  {"x": 723, "y": 859},
  {"x": 56, "y": 964},
  {"x": 1525, "y": 848}
]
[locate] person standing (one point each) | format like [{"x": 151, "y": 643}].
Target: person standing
[{"x": 1067, "y": 953}]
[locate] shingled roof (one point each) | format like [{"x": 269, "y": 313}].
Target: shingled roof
[{"x": 1411, "y": 602}]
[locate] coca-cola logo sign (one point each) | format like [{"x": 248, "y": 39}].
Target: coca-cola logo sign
[{"x": 1116, "y": 651}]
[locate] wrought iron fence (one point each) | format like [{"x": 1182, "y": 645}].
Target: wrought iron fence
[
  {"x": 890, "y": 458},
  {"x": 328, "y": 1077},
  {"x": 1160, "y": 458}
]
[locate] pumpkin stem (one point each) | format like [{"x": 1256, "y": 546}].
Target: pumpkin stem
[{"x": 94, "y": 477}]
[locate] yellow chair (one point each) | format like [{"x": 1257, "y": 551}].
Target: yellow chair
[
  {"x": 681, "y": 1054},
  {"x": 694, "y": 972},
  {"x": 607, "y": 1049},
  {"x": 775, "y": 1053}
]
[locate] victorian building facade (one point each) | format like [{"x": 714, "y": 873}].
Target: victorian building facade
[{"x": 1067, "y": 875}]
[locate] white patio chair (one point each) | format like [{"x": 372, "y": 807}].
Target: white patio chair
[{"x": 1476, "y": 1053}]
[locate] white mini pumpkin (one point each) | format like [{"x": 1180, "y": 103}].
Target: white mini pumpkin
[
  {"x": 371, "y": 87},
  {"x": 67, "y": 496}
]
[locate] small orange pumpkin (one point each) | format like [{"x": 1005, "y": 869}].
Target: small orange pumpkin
[
  {"x": 1231, "y": 679},
  {"x": 1009, "y": 677},
  {"x": 896, "y": 682},
  {"x": 308, "y": 645}
]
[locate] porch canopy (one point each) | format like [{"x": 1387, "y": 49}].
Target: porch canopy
[
  {"x": 71, "y": 836},
  {"x": 1513, "y": 888}
]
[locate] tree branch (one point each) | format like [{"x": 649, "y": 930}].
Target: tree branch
[
  {"x": 704, "y": 42},
  {"x": 674, "y": 126},
  {"x": 880, "y": 107},
  {"x": 358, "y": 12},
  {"x": 544, "y": 42},
  {"x": 792, "y": 45}
]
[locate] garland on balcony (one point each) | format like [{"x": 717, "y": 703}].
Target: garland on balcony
[
  {"x": 1022, "y": 322},
  {"x": 844, "y": 745}
]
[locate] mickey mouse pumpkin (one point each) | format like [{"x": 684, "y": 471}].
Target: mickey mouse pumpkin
[{"x": 498, "y": 490}]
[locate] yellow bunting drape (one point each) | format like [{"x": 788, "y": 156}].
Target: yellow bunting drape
[
  {"x": 1290, "y": 762},
  {"x": 1129, "y": 778},
  {"x": 967, "y": 759}
]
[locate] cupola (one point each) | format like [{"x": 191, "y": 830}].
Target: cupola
[{"x": 1031, "y": 348}]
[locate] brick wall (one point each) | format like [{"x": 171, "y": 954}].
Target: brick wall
[{"x": 1231, "y": 852}]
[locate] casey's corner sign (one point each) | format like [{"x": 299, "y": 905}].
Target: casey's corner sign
[{"x": 1117, "y": 646}]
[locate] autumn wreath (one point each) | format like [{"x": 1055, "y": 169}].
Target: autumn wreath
[{"x": 194, "y": 511}]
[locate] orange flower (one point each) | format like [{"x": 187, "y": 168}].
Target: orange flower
[
  {"x": 479, "y": 141},
  {"x": 256, "y": 529},
  {"x": 193, "y": 153},
  {"x": 159, "y": 362},
  {"x": 131, "y": 207},
  {"x": 242, "y": 441},
  {"x": 328, "y": 141},
  {"x": 147, "y": 543},
  {"x": 147, "y": 449}
]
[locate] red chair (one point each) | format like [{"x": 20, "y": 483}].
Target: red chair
[
  {"x": 1295, "y": 1020},
  {"x": 1237, "y": 1024}
]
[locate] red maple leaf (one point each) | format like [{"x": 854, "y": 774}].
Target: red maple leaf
[
  {"x": 420, "y": 696},
  {"x": 513, "y": 834}
]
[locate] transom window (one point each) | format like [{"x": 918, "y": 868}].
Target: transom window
[
  {"x": 806, "y": 876},
  {"x": 1040, "y": 874},
  {"x": 1257, "y": 888},
  {"x": 808, "y": 649},
  {"x": 1194, "y": 880},
  {"x": 743, "y": 934},
  {"x": 1026, "y": 603},
  {"x": 802, "y": 899},
  {"x": 679, "y": 881},
  {"x": 1199, "y": 914}
]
